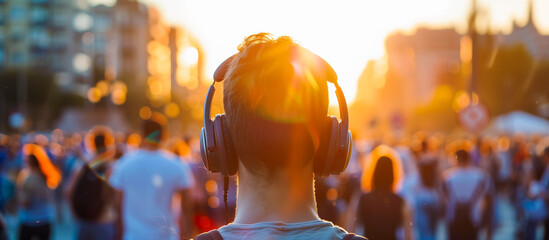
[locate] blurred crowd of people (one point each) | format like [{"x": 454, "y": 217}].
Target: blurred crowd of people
[
  {"x": 406, "y": 190},
  {"x": 435, "y": 186}
]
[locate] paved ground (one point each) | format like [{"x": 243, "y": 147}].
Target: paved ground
[{"x": 65, "y": 230}]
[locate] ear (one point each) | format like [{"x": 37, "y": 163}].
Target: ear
[{"x": 221, "y": 71}]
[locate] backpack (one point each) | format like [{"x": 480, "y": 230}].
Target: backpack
[
  {"x": 463, "y": 220},
  {"x": 91, "y": 194},
  {"x": 215, "y": 235}
]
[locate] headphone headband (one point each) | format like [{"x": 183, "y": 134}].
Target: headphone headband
[
  {"x": 332, "y": 155},
  {"x": 219, "y": 76}
]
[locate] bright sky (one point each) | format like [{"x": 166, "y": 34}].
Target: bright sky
[{"x": 346, "y": 33}]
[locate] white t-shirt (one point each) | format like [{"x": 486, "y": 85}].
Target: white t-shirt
[
  {"x": 148, "y": 181},
  {"x": 461, "y": 184},
  {"x": 318, "y": 229}
]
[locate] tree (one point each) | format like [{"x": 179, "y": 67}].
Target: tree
[{"x": 503, "y": 84}]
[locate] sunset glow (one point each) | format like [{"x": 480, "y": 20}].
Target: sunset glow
[{"x": 347, "y": 34}]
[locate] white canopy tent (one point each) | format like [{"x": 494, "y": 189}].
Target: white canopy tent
[{"x": 518, "y": 121}]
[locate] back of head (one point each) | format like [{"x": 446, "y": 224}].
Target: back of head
[
  {"x": 100, "y": 143},
  {"x": 427, "y": 173},
  {"x": 462, "y": 157},
  {"x": 275, "y": 99},
  {"x": 154, "y": 131},
  {"x": 32, "y": 161},
  {"x": 383, "y": 175}
]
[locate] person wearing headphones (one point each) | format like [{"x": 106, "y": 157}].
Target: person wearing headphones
[{"x": 276, "y": 135}]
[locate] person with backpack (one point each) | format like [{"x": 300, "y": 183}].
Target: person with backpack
[
  {"x": 465, "y": 188},
  {"x": 92, "y": 199},
  {"x": 276, "y": 136},
  {"x": 35, "y": 197},
  {"x": 534, "y": 204},
  {"x": 426, "y": 200}
]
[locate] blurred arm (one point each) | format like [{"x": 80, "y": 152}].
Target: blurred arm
[
  {"x": 407, "y": 222},
  {"x": 24, "y": 189},
  {"x": 185, "y": 222},
  {"x": 119, "y": 220}
]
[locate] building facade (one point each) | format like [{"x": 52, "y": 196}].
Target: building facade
[{"x": 529, "y": 35}]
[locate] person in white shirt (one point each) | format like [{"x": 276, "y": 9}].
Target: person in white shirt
[
  {"x": 147, "y": 180},
  {"x": 465, "y": 188}
]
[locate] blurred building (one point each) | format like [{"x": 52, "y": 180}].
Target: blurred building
[
  {"x": 35, "y": 34},
  {"x": 73, "y": 39},
  {"x": 416, "y": 63},
  {"x": 536, "y": 43},
  {"x": 120, "y": 37},
  {"x": 176, "y": 68},
  {"x": 131, "y": 26}
]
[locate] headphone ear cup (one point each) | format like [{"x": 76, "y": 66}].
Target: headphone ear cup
[
  {"x": 204, "y": 149},
  {"x": 325, "y": 155},
  {"x": 343, "y": 153},
  {"x": 209, "y": 158},
  {"x": 230, "y": 151},
  {"x": 221, "y": 157},
  {"x": 319, "y": 159}
]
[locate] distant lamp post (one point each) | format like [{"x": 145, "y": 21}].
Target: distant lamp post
[
  {"x": 189, "y": 56},
  {"x": 171, "y": 110},
  {"x": 187, "y": 59},
  {"x": 94, "y": 94},
  {"x": 119, "y": 91},
  {"x": 82, "y": 22},
  {"x": 81, "y": 62},
  {"x": 103, "y": 85},
  {"x": 145, "y": 112}
]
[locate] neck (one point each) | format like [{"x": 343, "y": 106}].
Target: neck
[
  {"x": 463, "y": 165},
  {"x": 150, "y": 147},
  {"x": 287, "y": 196}
]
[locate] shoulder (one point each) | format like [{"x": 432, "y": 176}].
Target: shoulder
[
  {"x": 22, "y": 177},
  {"x": 317, "y": 229},
  {"x": 132, "y": 155},
  {"x": 127, "y": 158},
  {"x": 31, "y": 181},
  {"x": 475, "y": 172},
  {"x": 397, "y": 198},
  {"x": 449, "y": 173}
]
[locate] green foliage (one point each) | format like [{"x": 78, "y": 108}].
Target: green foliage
[
  {"x": 504, "y": 83},
  {"x": 26, "y": 90},
  {"x": 35, "y": 92},
  {"x": 537, "y": 89},
  {"x": 135, "y": 98}
]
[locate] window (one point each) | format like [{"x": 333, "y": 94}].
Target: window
[
  {"x": 60, "y": 18},
  {"x": 17, "y": 13},
  {"x": 102, "y": 23},
  {"x": 39, "y": 37},
  {"x": 2, "y": 53},
  {"x": 17, "y": 58},
  {"x": 39, "y": 1},
  {"x": 39, "y": 15},
  {"x": 59, "y": 40},
  {"x": 17, "y": 33}
]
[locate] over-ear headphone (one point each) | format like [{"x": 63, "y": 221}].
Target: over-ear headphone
[{"x": 219, "y": 154}]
